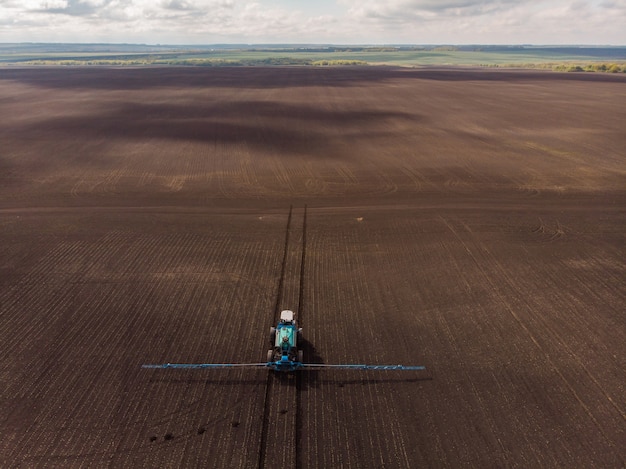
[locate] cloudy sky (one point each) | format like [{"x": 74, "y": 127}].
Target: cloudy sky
[{"x": 315, "y": 21}]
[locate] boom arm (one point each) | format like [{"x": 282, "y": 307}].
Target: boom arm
[
  {"x": 287, "y": 366},
  {"x": 207, "y": 365},
  {"x": 362, "y": 367}
]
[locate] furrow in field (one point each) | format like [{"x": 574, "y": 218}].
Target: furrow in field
[
  {"x": 577, "y": 305},
  {"x": 575, "y": 322},
  {"x": 537, "y": 328},
  {"x": 115, "y": 341},
  {"x": 344, "y": 329},
  {"x": 240, "y": 422}
]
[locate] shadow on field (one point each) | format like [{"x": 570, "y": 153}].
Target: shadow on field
[
  {"x": 274, "y": 126},
  {"x": 204, "y": 380},
  {"x": 103, "y": 78},
  {"x": 309, "y": 378},
  {"x": 381, "y": 377}
]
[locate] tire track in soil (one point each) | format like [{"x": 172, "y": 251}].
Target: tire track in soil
[
  {"x": 279, "y": 433},
  {"x": 281, "y": 426},
  {"x": 268, "y": 384},
  {"x": 298, "y": 417}
]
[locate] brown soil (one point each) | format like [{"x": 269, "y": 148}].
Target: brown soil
[{"x": 471, "y": 221}]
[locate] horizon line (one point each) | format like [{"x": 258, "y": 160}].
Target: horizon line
[{"x": 321, "y": 44}]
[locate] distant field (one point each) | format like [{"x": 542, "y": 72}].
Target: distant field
[{"x": 560, "y": 58}]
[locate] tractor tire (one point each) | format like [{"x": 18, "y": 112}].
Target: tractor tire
[
  {"x": 300, "y": 356},
  {"x": 272, "y": 335},
  {"x": 270, "y": 355}
]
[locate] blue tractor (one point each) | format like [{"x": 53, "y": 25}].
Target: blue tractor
[{"x": 285, "y": 354}]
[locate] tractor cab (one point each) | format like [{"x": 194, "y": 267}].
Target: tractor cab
[{"x": 287, "y": 317}]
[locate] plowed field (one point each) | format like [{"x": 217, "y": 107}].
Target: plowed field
[{"x": 471, "y": 221}]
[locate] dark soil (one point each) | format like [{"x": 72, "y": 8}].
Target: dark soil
[{"x": 471, "y": 221}]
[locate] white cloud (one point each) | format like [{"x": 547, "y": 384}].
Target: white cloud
[
  {"x": 346, "y": 21},
  {"x": 493, "y": 21}
]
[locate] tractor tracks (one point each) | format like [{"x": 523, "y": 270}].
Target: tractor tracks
[
  {"x": 298, "y": 409},
  {"x": 281, "y": 426}
]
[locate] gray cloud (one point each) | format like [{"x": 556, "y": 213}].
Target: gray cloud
[
  {"x": 409, "y": 10},
  {"x": 470, "y": 5},
  {"x": 77, "y": 8},
  {"x": 178, "y": 5},
  {"x": 196, "y": 5}
]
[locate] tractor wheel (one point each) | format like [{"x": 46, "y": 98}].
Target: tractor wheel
[
  {"x": 272, "y": 335},
  {"x": 270, "y": 355},
  {"x": 300, "y": 356}
]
